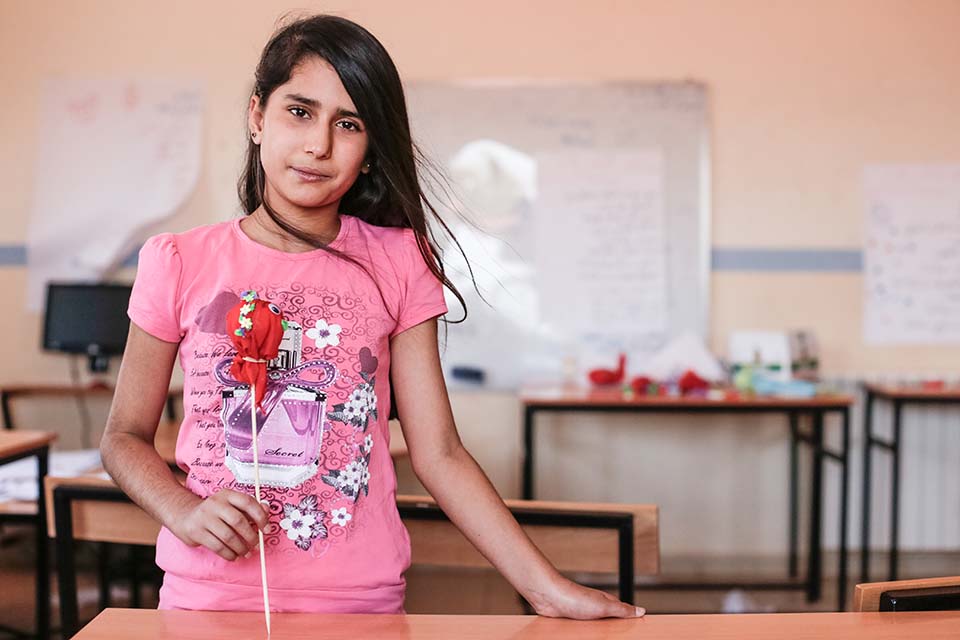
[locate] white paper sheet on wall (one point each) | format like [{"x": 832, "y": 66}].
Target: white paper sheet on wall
[
  {"x": 115, "y": 156},
  {"x": 601, "y": 239},
  {"x": 912, "y": 254}
]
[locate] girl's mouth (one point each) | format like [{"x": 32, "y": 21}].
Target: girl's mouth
[{"x": 308, "y": 175}]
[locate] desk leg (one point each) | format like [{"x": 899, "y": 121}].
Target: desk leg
[
  {"x": 792, "y": 557},
  {"x": 895, "y": 490},
  {"x": 43, "y": 554},
  {"x": 66, "y": 572},
  {"x": 814, "y": 563},
  {"x": 5, "y": 410},
  {"x": 103, "y": 577},
  {"x": 844, "y": 500},
  {"x": 866, "y": 493},
  {"x": 527, "y": 492},
  {"x": 625, "y": 543},
  {"x": 135, "y": 557}
]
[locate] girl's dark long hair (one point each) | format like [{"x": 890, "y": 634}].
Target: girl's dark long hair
[{"x": 390, "y": 195}]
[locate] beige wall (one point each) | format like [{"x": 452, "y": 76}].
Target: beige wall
[{"x": 804, "y": 94}]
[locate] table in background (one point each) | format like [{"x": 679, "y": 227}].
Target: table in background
[
  {"x": 150, "y": 624},
  {"x": 8, "y": 393},
  {"x": 16, "y": 445},
  {"x": 899, "y": 397},
  {"x": 536, "y": 401}
]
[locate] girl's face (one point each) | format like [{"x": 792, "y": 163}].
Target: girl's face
[{"x": 312, "y": 141}]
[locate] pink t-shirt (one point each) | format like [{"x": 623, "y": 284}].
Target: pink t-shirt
[{"x": 335, "y": 541}]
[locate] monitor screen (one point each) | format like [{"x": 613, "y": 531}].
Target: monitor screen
[{"x": 86, "y": 318}]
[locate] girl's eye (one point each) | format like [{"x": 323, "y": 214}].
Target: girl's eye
[
  {"x": 348, "y": 125},
  {"x": 274, "y": 309},
  {"x": 298, "y": 112}
]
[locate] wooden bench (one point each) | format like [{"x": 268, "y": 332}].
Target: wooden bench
[
  {"x": 574, "y": 536},
  {"x": 940, "y": 593},
  {"x": 593, "y": 537}
]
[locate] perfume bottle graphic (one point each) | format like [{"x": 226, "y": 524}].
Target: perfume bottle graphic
[{"x": 291, "y": 424}]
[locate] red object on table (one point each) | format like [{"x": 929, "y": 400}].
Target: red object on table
[
  {"x": 690, "y": 382},
  {"x": 641, "y": 385},
  {"x": 606, "y": 377}
]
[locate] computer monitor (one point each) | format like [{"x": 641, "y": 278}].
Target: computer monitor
[{"x": 87, "y": 318}]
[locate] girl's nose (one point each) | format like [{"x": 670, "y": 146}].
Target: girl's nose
[{"x": 318, "y": 143}]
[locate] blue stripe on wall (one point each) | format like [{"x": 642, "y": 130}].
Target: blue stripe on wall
[
  {"x": 729, "y": 259},
  {"x": 787, "y": 260},
  {"x": 12, "y": 255}
]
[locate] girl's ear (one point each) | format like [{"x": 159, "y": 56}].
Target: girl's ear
[{"x": 255, "y": 119}]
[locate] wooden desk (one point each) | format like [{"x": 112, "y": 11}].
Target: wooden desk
[
  {"x": 9, "y": 393},
  {"x": 201, "y": 625},
  {"x": 899, "y": 397},
  {"x": 15, "y": 445},
  {"x": 537, "y": 401}
]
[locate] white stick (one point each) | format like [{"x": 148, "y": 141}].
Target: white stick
[{"x": 256, "y": 487}]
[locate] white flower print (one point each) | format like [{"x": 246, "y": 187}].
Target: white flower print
[
  {"x": 352, "y": 480},
  {"x": 298, "y": 525},
  {"x": 303, "y": 522},
  {"x": 340, "y": 517},
  {"x": 359, "y": 407},
  {"x": 324, "y": 334},
  {"x": 368, "y": 443}
]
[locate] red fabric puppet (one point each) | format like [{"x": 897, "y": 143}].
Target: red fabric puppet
[{"x": 255, "y": 328}]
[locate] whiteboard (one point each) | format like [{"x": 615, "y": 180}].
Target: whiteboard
[{"x": 586, "y": 220}]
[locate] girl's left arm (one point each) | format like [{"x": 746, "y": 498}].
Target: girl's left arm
[{"x": 466, "y": 495}]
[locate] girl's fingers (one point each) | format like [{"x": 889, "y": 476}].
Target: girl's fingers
[
  {"x": 618, "y": 609},
  {"x": 237, "y": 520},
  {"x": 624, "y": 610},
  {"x": 254, "y": 511},
  {"x": 230, "y": 539},
  {"x": 212, "y": 542}
]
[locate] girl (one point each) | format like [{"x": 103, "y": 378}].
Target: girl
[{"x": 335, "y": 237}]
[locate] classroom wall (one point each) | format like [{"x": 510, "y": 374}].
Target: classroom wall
[{"x": 803, "y": 95}]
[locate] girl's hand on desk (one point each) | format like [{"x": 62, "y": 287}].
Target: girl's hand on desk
[
  {"x": 224, "y": 523},
  {"x": 568, "y": 599}
]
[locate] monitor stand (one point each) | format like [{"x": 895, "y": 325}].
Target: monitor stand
[{"x": 98, "y": 361}]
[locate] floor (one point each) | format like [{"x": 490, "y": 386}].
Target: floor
[{"x": 438, "y": 590}]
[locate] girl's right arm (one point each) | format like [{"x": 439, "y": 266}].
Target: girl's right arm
[{"x": 224, "y": 522}]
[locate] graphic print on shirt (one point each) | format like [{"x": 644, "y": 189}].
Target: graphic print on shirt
[
  {"x": 314, "y": 445},
  {"x": 290, "y": 423}
]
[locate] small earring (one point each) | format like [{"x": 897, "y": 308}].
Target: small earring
[
  {"x": 253, "y": 136},
  {"x": 365, "y": 168}
]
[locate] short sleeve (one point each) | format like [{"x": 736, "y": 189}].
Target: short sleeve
[
  {"x": 155, "y": 300},
  {"x": 421, "y": 293}
]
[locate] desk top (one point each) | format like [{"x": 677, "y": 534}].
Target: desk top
[
  {"x": 16, "y": 442},
  {"x": 900, "y": 392},
  {"x": 617, "y": 398},
  {"x": 96, "y": 388},
  {"x": 149, "y": 624}
]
